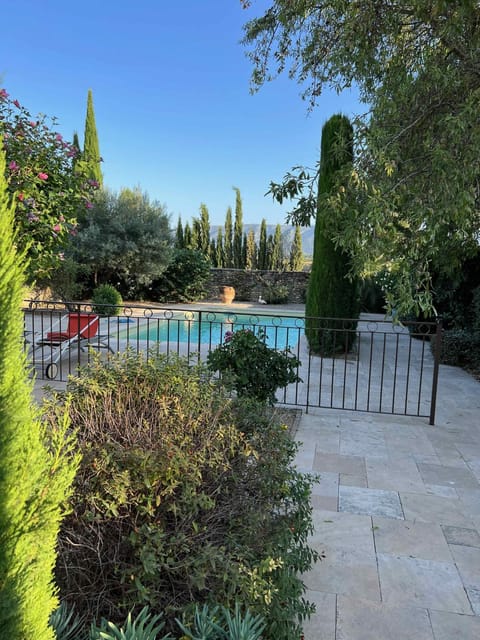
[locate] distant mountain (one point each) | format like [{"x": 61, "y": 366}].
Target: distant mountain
[{"x": 288, "y": 233}]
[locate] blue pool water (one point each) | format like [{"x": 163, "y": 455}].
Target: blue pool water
[{"x": 210, "y": 328}]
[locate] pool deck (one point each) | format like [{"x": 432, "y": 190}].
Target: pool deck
[{"x": 397, "y": 512}]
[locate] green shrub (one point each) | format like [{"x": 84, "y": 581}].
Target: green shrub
[
  {"x": 106, "y": 300},
  {"x": 461, "y": 348},
  {"x": 173, "y": 504},
  {"x": 252, "y": 368},
  {"x": 276, "y": 294},
  {"x": 185, "y": 278}
]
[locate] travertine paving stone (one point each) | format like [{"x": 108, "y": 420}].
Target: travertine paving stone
[
  {"x": 452, "y": 626},
  {"x": 421, "y": 583},
  {"x": 369, "y": 502},
  {"x": 359, "y": 619},
  {"x": 427, "y": 508},
  {"x": 411, "y": 539},
  {"x": 461, "y": 536},
  {"x": 449, "y": 476},
  {"x": 321, "y": 625},
  {"x": 339, "y": 464}
]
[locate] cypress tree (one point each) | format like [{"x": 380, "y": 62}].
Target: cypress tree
[
  {"x": 76, "y": 144},
  {"x": 196, "y": 234},
  {"x": 243, "y": 264},
  {"x": 220, "y": 249},
  {"x": 179, "y": 239},
  {"x": 269, "y": 261},
  {"x": 212, "y": 253},
  {"x": 187, "y": 237},
  {"x": 238, "y": 255},
  {"x": 277, "y": 250},
  {"x": 91, "y": 151},
  {"x": 251, "y": 251},
  {"x": 262, "y": 246},
  {"x": 228, "y": 244},
  {"x": 204, "y": 230},
  {"x": 330, "y": 293},
  {"x": 296, "y": 253},
  {"x": 35, "y": 477}
]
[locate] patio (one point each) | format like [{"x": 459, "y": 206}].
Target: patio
[{"x": 397, "y": 513}]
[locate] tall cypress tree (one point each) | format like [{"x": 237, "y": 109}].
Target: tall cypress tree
[
  {"x": 35, "y": 477},
  {"x": 251, "y": 251},
  {"x": 76, "y": 145},
  {"x": 204, "y": 230},
  {"x": 295, "y": 262},
  {"x": 228, "y": 244},
  {"x": 212, "y": 253},
  {"x": 331, "y": 294},
  {"x": 91, "y": 151},
  {"x": 238, "y": 254},
  {"x": 179, "y": 239},
  {"x": 277, "y": 250},
  {"x": 187, "y": 237},
  {"x": 262, "y": 246},
  {"x": 220, "y": 249}
]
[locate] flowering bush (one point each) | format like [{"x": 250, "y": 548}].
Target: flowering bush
[
  {"x": 252, "y": 368},
  {"x": 48, "y": 193}
]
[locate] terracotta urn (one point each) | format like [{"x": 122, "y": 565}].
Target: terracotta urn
[{"x": 227, "y": 294}]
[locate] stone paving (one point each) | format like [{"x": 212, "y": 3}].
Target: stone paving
[{"x": 396, "y": 511}]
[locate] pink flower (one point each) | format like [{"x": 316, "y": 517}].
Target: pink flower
[
  {"x": 228, "y": 336},
  {"x": 43, "y": 176},
  {"x": 21, "y": 197},
  {"x": 58, "y": 137},
  {"x": 57, "y": 227},
  {"x": 16, "y": 103},
  {"x": 88, "y": 205},
  {"x": 13, "y": 166},
  {"x": 32, "y": 123},
  {"x": 3, "y": 94}
]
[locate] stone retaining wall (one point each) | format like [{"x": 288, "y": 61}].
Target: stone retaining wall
[{"x": 249, "y": 285}]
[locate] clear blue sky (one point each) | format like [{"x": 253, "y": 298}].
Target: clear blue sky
[{"x": 170, "y": 85}]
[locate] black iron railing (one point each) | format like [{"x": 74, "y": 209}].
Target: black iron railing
[{"x": 368, "y": 365}]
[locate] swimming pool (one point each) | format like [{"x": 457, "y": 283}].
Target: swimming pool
[{"x": 205, "y": 327}]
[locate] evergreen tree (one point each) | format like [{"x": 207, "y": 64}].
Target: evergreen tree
[
  {"x": 187, "y": 237},
  {"x": 269, "y": 260},
  {"x": 213, "y": 253},
  {"x": 262, "y": 246},
  {"x": 35, "y": 477},
  {"x": 204, "y": 230},
  {"x": 251, "y": 251},
  {"x": 277, "y": 250},
  {"x": 244, "y": 251},
  {"x": 196, "y": 235},
  {"x": 76, "y": 146},
  {"x": 331, "y": 294},
  {"x": 179, "y": 239},
  {"x": 228, "y": 244},
  {"x": 220, "y": 249},
  {"x": 238, "y": 232},
  {"x": 296, "y": 252},
  {"x": 91, "y": 151}
]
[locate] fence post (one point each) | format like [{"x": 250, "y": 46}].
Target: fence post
[
  {"x": 436, "y": 366},
  {"x": 199, "y": 342}
]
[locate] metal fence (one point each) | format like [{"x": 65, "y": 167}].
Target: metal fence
[{"x": 371, "y": 365}]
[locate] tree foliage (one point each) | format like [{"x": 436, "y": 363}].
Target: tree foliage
[
  {"x": 295, "y": 262},
  {"x": 238, "y": 256},
  {"x": 35, "y": 478},
  {"x": 125, "y": 238},
  {"x": 91, "y": 150},
  {"x": 410, "y": 203},
  {"x": 48, "y": 194},
  {"x": 330, "y": 293}
]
